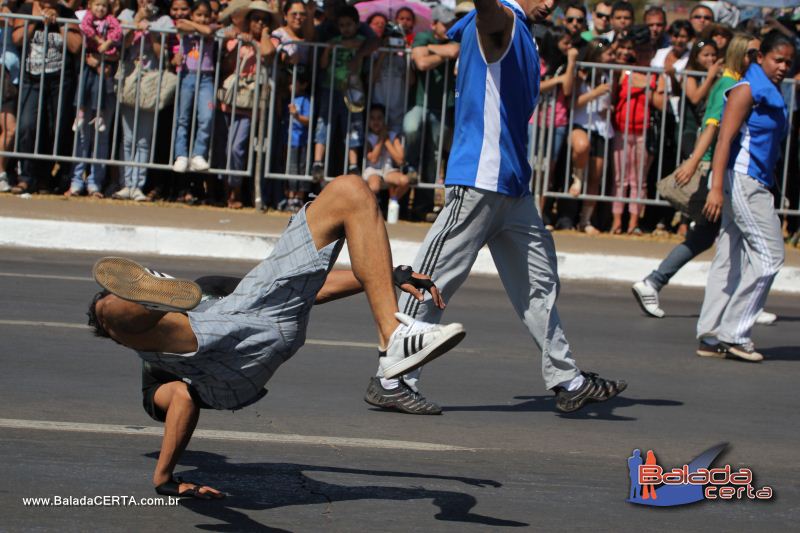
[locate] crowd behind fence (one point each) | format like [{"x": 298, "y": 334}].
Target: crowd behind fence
[{"x": 233, "y": 113}]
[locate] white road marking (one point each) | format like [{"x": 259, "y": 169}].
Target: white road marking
[
  {"x": 241, "y": 436},
  {"x": 37, "y": 323},
  {"x": 314, "y": 342},
  {"x": 43, "y": 276}
]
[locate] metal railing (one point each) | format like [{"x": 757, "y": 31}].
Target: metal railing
[
  {"x": 116, "y": 72},
  {"x": 269, "y": 151}
]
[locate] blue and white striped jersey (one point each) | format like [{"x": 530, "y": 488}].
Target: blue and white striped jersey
[{"x": 494, "y": 104}]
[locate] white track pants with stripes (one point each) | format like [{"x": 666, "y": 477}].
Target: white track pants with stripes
[
  {"x": 524, "y": 254},
  {"x": 749, "y": 254}
]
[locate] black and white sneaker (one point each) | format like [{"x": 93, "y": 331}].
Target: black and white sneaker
[
  {"x": 711, "y": 350},
  {"x": 415, "y": 343},
  {"x": 403, "y": 399},
  {"x": 154, "y": 290},
  {"x": 594, "y": 389}
]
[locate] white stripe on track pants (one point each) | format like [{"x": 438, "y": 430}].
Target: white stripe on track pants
[
  {"x": 750, "y": 252},
  {"x": 524, "y": 254}
]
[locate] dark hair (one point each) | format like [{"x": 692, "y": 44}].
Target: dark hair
[
  {"x": 200, "y": 3},
  {"x": 774, "y": 39},
  {"x": 681, "y": 25},
  {"x": 576, "y": 5},
  {"x": 701, "y": 6},
  {"x": 622, "y": 5},
  {"x": 552, "y": 56},
  {"x": 287, "y": 5},
  {"x": 375, "y": 15},
  {"x": 413, "y": 15},
  {"x": 97, "y": 328},
  {"x": 378, "y": 107},
  {"x": 348, "y": 12},
  {"x": 656, "y": 10},
  {"x": 698, "y": 46},
  {"x": 593, "y": 50}
]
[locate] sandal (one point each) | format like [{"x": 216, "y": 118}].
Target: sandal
[
  {"x": 19, "y": 188},
  {"x": 588, "y": 229},
  {"x": 171, "y": 488},
  {"x": 616, "y": 231},
  {"x": 637, "y": 231},
  {"x": 97, "y": 194}
]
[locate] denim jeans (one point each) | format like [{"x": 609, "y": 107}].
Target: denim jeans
[
  {"x": 136, "y": 149},
  {"x": 238, "y": 131},
  {"x": 85, "y": 148},
  {"x": 204, "y": 107},
  {"x": 700, "y": 238}
]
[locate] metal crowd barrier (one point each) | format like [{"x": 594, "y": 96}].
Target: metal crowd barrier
[
  {"x": 280, "y": 155},
  {"x": 159, "y": 134},
  {"x": 544, "y": 131}
]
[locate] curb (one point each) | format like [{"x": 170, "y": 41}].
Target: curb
[{"x": 152, "y": 240}]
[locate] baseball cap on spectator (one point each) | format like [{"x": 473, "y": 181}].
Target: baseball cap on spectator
[{"x": 443, "y": 14}]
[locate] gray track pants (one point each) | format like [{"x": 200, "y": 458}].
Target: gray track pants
[
  {"x": 525, "y": 257},
  {"x": 749, "y": 254}
]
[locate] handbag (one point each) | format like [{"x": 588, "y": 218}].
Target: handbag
[
  {"x": 690, "y": 197},
  {"x": 243, "y": 93},
  {"x": 142, "y": 87}
]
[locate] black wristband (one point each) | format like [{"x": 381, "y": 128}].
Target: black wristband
[{"x": 402, "y": 275}]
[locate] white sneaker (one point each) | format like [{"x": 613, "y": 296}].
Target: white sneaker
[
  {"x": 199, "y": 164},
  {"x": 647, "y": 297},
  {"x": 765, "y": 319},
  {"x": 122, "y": 194},
  {"x": 138, "y": 196},
  {"x": 181, "y": 164},
  {"x": 415, "y": 343},
  {"x": 4, "y": 186}
]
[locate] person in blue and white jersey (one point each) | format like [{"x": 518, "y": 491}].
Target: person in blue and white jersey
[
  {"x": 488, "y": 202},
  {"x": 750, "y": 249}
]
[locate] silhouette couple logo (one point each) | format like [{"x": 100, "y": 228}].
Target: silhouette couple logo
[{"x": 643, "y": 491}]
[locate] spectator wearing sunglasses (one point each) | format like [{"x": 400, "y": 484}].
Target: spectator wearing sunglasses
[
  {"x": 601, "y": 21},
  {"x": 575, "y": 20},
  {"x": 700, "y": 17}
]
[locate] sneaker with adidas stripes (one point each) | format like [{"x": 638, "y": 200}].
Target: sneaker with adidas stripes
[
  {"x": 415, "y": 343},
  {"x": 154, "y": 290}
]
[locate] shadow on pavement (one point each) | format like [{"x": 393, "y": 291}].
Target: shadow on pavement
[
  {"x": 598, "y": 411},
  {"x": 781, "y": 353},
  {"x": 263, "y": 486}
]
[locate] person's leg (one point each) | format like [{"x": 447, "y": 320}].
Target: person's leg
[
  {"x": 374, "y": 183},
  {"x": 142, "y": 329},
  {"x": 83, "y": 149},
  {"x": 636, "y": 156},
  {"x": 723, "y": 275},
  {"x": 144, "y": 132},
  {"x": 29, "y": 98},
  {"x": 398, "y": 184},
  {"x": 412, "y": 128},
  {"x": 182, "y": 415},
  {"x": 8, "y": 128},
  {"x": 97, "y": 174},
  {"x": 347, "y": 208},
  {"x": 763, "y": 249},
  {"x": 128, "y": 144},
  {"x": 700, "y": 238},
  {"x": 205, "y": 115},
  {"x": 525, "y": 256},
  {"x": 580, "y": 159},
  {"x": 617, "y": 207},
  {"x": 184, "y": 120}
]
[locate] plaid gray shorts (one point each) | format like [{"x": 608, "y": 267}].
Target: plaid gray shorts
[{"x": 244, "y": 337}]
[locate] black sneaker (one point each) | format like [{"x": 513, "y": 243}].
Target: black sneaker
[
  {"x": 402, "y": 399},
  {"x": 712, "y": 350},
  {"x": 594, "y": 389}
]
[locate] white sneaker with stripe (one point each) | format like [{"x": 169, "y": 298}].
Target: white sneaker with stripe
[{"x": 415, "y": 343}]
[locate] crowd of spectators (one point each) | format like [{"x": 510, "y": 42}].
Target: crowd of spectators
[{"x": 369, "y": 94}]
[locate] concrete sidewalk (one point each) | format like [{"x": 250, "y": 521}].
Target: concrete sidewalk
[{"x": 173, "y": 229}]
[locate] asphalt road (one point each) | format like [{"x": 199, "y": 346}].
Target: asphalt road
[{"x": 319, "y": 459}]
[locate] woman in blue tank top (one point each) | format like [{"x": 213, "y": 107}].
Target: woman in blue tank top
[{"x": 750, "y": 249}]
